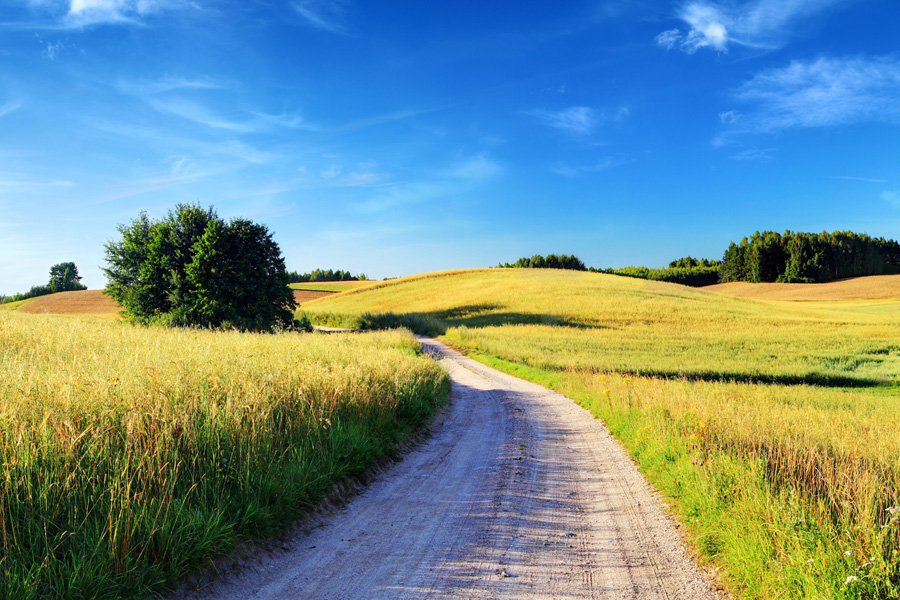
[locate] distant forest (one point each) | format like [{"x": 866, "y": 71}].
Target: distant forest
[
  {"x": 791, "y": 257},
  {"x": 329, "y": 275},
  {"x": 795, "y": 257},
  {"x": 686, "y": 271}
]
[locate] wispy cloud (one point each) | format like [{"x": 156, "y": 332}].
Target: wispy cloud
[
  {"x": 199, "y": 113},
  {"x": 9, "y": 107},
  {"x": 570, "y": 170},
  {"x": 477, "y": 167},
  {"x": 866, "y": 179},
  {"x": 75, "y": 14},
  {"x": 466, "y": 174},
  {"x": 758, "y": 154},
  {"x": 193, "y": 111},
  {"x": 761, "y": 24},
  {"x": 168, "y": 83},
  {"x": 892, "y": 198},
  {"x": 577, "y": 120},
  {"x": 328, "y": 15},
  {"x": 820, "y": 93}
]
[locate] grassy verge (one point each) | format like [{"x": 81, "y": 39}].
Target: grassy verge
[
  {"x": 785, "y": 507},
  {"x": 131, "y": 456}
]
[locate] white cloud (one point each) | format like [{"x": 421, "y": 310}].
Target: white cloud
[
  {"x": 167, "y": 83},
  {"x": 52, "y": 50},
  {"x": 730, "y": 117},
  {"x": 568, "y": 170},
  {"x": 9, "y": 107},
  {"x": 707, "y": 28},
  {"x": 760, "y": 154},
  {"x": 477, "y": 167},
  {"x": 578, "y": 120},
  {"x": 82, "y": 13},
  {"x": 866, "y": 179},
  {"x": 763, "y": 24},
  {"x": 821, "y": 93},
  {"x": 667, "y": 39},
  {"x": 892, "y": 198},
  {"x": 198, "y": 113},
  {"x": 328, "y": 15}
]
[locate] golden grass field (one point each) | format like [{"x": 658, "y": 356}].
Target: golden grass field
[
  {"x": 85, "y": 302},
  {"x": 877, "y": 287},
  {"x": 131, "y": 455},
  {"x": 770, "y": 425}
]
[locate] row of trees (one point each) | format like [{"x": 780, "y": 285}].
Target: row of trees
[
  {"x": 686, "y": 271},
  {"x": 193, "y": 268},
  {"x": 795, "y": 257},
  {"x": 329, "y": 275},
  {"x": 551, "y": 261},
  {"x": 63, "y": 278}
]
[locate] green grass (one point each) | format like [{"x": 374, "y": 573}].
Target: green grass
[
  {"x": 771, "y": 427},
  {"x": 131, "y": 456},
  {"x": 13, "y": 306}
]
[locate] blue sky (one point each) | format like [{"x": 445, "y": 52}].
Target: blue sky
[{"x": 394, "y": 138}]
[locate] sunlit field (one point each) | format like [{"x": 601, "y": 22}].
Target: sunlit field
[
  {"x": 771, "y": 426},
  {"x": 133, "y": 455}
]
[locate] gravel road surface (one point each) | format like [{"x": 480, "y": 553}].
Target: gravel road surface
[{"x": 519, "y": 493}]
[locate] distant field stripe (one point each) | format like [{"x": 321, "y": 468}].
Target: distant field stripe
[{"x": 330, "y": 286}]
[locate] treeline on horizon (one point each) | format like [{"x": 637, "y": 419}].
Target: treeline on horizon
[
  {"x": 796, "y": 257},
  {"x": 685, "y": 271},
  {"x": 791, "y": 257},
  {"x": 63, "y": 278},
  {"x": 321, "y": 275}
]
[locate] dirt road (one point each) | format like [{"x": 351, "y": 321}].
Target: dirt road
[{"x": 518, "y": 494}]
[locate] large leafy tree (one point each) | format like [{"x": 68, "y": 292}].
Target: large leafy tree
[
  {"x": 64, "y": 278},
  {"x": 193, "y": 268}
]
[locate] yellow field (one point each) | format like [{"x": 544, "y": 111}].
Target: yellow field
[
  {"x": 877, "y": 287},
  {"x": 85, "y": 302},
  {"x": 771, "y": 425},
  {"x": 131, "y": 455}
]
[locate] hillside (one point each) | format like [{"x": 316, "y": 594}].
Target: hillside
[
  {"x": 770, "y": 426},
  {"x": 87, "y": 302},
  {"x": 876, "y": 287},
  {"x": 562, "y": 319}
]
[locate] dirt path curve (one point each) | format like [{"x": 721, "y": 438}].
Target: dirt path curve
[{"x": 519, "y": 494}]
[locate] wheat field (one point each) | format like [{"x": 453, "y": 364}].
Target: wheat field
[{"x": 132, "y": 455}]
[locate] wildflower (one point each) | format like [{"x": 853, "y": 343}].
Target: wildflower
[
  {"x": 851, "y": 579},
  {"x": 893, "y": 510},
  {"x": 810, "y": 560},
  {"x": 848, "y": 553}
]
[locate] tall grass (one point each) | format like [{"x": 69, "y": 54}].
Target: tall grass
[
  {"x": 132, "y": 455},
  {"x": 772, "y": 427}
]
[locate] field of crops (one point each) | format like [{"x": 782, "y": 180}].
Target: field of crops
[
  {"x": 330, "y": 286},
  {"x": 771, "y": 426},
  {"x": 133, "y": 455},
  {"x": 84, "y": 302}
]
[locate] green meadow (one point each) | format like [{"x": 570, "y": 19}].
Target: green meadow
[{"x": 770, "y": 427}]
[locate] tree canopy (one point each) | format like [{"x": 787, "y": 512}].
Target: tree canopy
[
  {"x": 64, "y": 278},
  {"x": 796, "y": 257},
  {"x": 551, "y": 261},
  {"x": 193, "y": 268}
]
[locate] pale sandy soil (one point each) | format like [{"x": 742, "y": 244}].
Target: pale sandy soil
[
  {"x": 876, "y": 287},
  {"x": 519, "y": 493}
]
